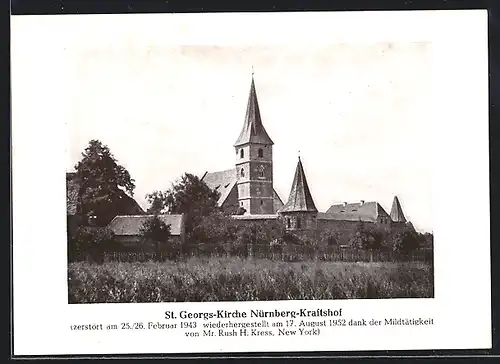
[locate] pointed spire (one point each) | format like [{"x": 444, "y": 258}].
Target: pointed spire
[
  {"x": 396, "y": 211},
  {"x": 253, "y": 131},
  {"x": 300, "y": 196}
]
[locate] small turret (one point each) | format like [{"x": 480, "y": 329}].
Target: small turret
[
  {"x": 299, "y": 211},
  {"x": 397, "y": 212}
]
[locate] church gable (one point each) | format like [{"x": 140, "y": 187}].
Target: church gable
[
  {"x": 223, "y": 182},
  {"x": 278, "y": 203}
]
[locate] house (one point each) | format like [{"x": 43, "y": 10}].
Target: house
[
  {"x": 126, "y": 205},
  {"x": 127, "y": 228}
]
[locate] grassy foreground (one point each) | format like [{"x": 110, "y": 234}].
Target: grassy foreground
[{"x": 234, "y": 279}]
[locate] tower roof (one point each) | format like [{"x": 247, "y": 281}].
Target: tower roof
[
  {"x": 253, "y": 131},
  {"x": 300, "y": 198},
  {"x": 396, "y": 211}
]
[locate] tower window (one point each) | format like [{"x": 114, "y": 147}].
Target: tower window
[
  {"x": 242, "y": 153},
  {"x": 288, "y": 223},
  {"x": 242, "y": 172},
  {"x": 298, "y": 222},
  {"x": 261, "y": 153},
  {"x": 261, "y": 171},
  {"x": 261, "y": 202}
]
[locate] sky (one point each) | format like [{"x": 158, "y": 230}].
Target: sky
[
  {"x": 357, "y": 113},
  {"x": 168, "y": 94}
]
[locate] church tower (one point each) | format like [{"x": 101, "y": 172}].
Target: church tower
[
  {"x": 254, "y": 162},
  {"x": 299, "y": 212}
]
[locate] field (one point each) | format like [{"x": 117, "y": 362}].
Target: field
[{"x": 234, "y": 279}]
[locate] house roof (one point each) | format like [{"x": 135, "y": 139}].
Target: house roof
[
  {"x": 225, "y": 181},
  {"x": 300, "y": 198},
  {"x": 362, "y": 211},
  {"x": 125, "y": 204},
  {"x": 396, "y": 211},
  {"x": 127, "y": 225},
  {"x": 253, "y": 131}
]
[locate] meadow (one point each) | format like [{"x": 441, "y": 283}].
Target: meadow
[{"x": 237, "y": 279}]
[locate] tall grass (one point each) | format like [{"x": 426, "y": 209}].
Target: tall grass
[{"x": 235, "y": 279}]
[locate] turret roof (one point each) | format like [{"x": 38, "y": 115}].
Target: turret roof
[
  {"x": 300, "y": 198},
  {"x": 396, "y": 211}
]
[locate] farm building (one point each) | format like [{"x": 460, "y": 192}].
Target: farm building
[
  {"x": 127, "y": 228},
  {"x": 75, "y": 215},
  {"x": 248, "y": 187}
]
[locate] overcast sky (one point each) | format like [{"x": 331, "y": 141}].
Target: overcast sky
[
  {"x": 357, "y": 113},
  {"x": 169, "y": 97}
]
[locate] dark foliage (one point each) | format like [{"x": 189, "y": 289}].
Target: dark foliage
[{"x": 103, "y": 183}]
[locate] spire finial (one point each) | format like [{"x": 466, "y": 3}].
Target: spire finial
[
  {"x": 252, "y": 71},
  {"x": 299, "y": 154}
]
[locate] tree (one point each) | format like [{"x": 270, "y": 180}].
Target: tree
[
  {"x": 190, "y": 196},
  {"x": 330, "y": 237},
  {"x": 156, "y": 201},
  {"x": 405, "y": 241},
  {"x": 365, "y": 239},
  {"x": 155, "y": 230},
  {"x": 102, "y": 183}
]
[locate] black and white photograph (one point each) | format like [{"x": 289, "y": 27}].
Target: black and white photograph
[
  {"x": 241, "y": 182},
  {"x": 226, "y": 173}
]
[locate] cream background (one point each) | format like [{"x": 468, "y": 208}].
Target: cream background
[{"x": 77, "y": 77}]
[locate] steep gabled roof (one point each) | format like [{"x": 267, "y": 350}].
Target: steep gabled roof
[
  {"x": 225, "y": 181},
  {"x": 124, "y": 205},
  {"x": 222, "y": 181},
  {"x": 253, "y": 131},
  {"x": 300, "y": 198},
  {"x": 130, "y": 225},
  {"x": 362, "y": 211},
  {"x": 278, "y": 204},
  {"x": 396, "y": 211}
]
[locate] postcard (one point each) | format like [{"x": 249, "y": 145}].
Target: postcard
[{"x": 250, "y": 182}]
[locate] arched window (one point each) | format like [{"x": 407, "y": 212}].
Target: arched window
[
  {"x": 242, "y": 153},
  {"x": 288, "y": 223},
  {"x": 298, "y": 222},
  {"x": 242, "y": 172},
  {"x": 261, "y": 171},
  {"x": 261, "y": 153}
]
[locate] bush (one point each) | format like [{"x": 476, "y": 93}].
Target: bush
[
  {"x": 91, "y": 242},
  {"x": 405, "y": 242},
  {"x": 366, "y": 240}
]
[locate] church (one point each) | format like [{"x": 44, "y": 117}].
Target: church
[{"x": 248, "y": 188}]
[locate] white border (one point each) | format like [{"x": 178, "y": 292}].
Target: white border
[{"x": 461, "y": 308}]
